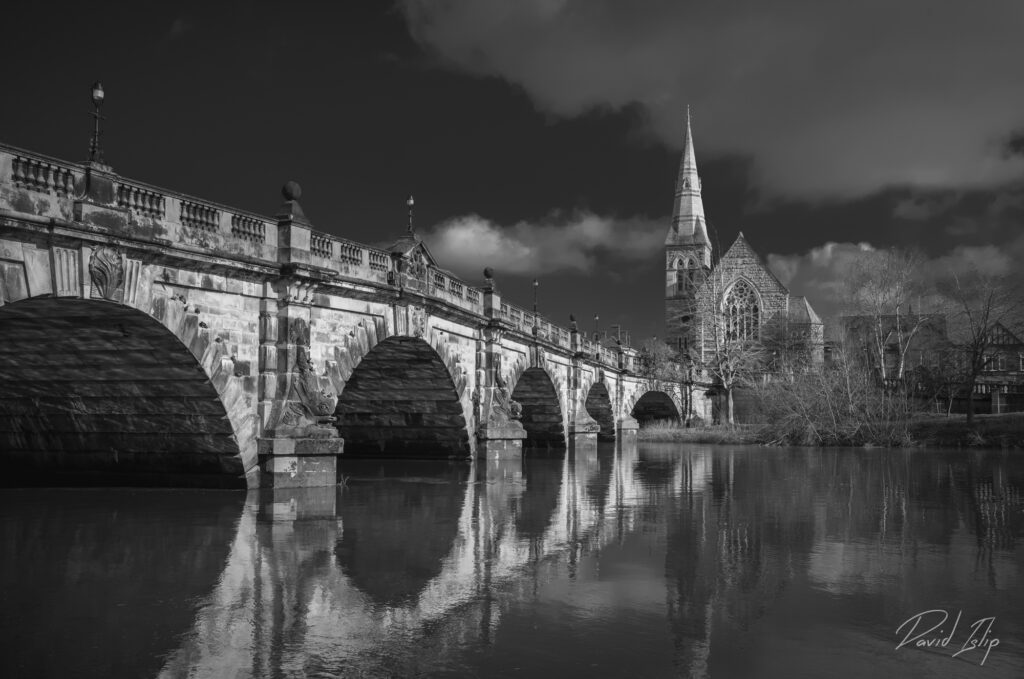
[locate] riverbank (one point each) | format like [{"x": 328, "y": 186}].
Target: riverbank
[
  {"x": 988, "y": 431},
  {"x": 737, "y": 434}
]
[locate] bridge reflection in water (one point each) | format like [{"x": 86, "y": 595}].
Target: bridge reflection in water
[{"x": 603, "y": 561}]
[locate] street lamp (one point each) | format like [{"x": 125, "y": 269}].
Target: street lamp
[
  {"x": 596, "y": 331},
  {"x": 95, "y": 152},
  {"x": 410, "y": 202},
  {"x": 536, "y": 285}
]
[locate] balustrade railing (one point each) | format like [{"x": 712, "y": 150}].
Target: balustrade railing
[
  {"x": 351, "y": 254},
  {"x": 320, "y": 245},
  {"x": 379, "y": 261},
  {"x": 199, "y": 216},
  {"x": 42, "y": 175},
  {"x": 141, "y": 200},
  {"x": 248, "y": 228}
]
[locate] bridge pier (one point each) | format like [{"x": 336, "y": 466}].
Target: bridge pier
[
  {"x": 300, "y": 447},
  {"x": 627, "y": 427},
  {"x": 499, "y": 432}
]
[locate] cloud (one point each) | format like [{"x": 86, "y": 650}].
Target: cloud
[
  {"x": 821, "y": 273},
  {"x": 830, "y": 99},
  {"x": 559, "y": 244}
]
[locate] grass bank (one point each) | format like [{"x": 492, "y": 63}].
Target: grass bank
[
  {"x": 662, "y": 431},
  {"x": 989, "y": 431}
]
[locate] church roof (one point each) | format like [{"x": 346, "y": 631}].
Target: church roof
[{"x": 800, "y": 310}]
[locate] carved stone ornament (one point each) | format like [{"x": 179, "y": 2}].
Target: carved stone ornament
[
  {"x": 309, "y": 411},
  {"x": 417, "y": 321},
  {"x": 106, "y": 269},
  {"x": 503, "y": 408}
]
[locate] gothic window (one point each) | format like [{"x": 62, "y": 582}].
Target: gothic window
[
  {"x": 741, "y": 312},
  {"x": 681, "y": 274}
]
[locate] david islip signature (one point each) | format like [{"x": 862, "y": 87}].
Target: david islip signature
[{"x": 932, "y": 634}]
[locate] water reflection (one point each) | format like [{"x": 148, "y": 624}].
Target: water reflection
[{"x": 599, "y": 561}]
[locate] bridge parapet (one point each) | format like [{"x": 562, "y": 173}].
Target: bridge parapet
[{"x": 48, "y": 187}]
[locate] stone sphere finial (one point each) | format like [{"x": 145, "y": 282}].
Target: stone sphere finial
[
  {"x": 291, "y": 191},
  {"x": 489, "y": 273}
]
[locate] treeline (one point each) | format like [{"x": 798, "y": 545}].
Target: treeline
[{"x": 912, "y": 338}]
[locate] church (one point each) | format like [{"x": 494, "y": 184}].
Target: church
[{"x": 714, "y": 305}]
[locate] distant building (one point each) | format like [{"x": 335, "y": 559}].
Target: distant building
[
  {"x": 1001, "y": 384},
  {"x": 933, "y": 364}
]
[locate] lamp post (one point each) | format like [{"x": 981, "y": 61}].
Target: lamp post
[
  {"x": 536, "y": 284},
  {"x": 410, "y": 202},
  {"x": 596, "y": 331},
  {"x": 95, "y": 150}
]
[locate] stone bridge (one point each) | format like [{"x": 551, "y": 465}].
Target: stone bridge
[{"x": 149, "y": 336}]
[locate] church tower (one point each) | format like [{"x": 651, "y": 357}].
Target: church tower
[{"x": 687, "y": 251}]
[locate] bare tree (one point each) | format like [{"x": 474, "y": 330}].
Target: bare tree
[
  {"x": 980, "y": 304},
  {"x": 788, "y": 342},
  {"x": 883, "y": 288}
]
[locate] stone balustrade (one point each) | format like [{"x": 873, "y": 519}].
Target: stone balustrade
[
  {"x": 39, "y": 173},
  {"x": 249, "y": 228},
  {"x": 141, "y": 200},
  {"x": 146, "y": 205}
]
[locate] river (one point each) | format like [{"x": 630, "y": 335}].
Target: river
[{"x": 649, "y": 560}]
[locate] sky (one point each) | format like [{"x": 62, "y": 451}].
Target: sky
[{"x": 542, "y": 137}]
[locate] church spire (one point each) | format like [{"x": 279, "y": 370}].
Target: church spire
[
  {"x": 688, "y": 165},
  {"x": 688, "y": 224}
]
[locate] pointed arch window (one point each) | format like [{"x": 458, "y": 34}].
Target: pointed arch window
[{"x": 742, "y": 312}]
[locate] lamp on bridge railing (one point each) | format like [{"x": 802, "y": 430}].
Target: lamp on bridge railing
[
  {"x": 596, "y": 330},
  {"x": 536, "y": 285},
  {"x": 410, "y": 202},
  {"x": 95, "y": 150}
]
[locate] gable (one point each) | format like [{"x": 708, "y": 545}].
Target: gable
[
  {"x": 411, "y": 247},
  {"x": 1001, "y": 336},
  {"x": 741, "y": 261}
]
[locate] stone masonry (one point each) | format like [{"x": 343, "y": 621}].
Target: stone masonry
[{"x": 151, "y": 336}]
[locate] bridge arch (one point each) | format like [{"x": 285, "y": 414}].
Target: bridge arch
[
  {"x": 538, "y": 387},
  {"x": 654, "y": 406},
  {"x": 598, "y": 396},
  {"x": 401, "y": 396},
  {"x": 538, "y": 394},
  {"x": 104, "y": 392}
]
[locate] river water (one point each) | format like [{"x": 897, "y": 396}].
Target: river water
[{"x": 654, "y": 560}]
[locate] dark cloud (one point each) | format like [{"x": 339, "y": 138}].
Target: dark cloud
[
  {"x": 832, "y": 99},
  {"x": 1014, "y": 145}
]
